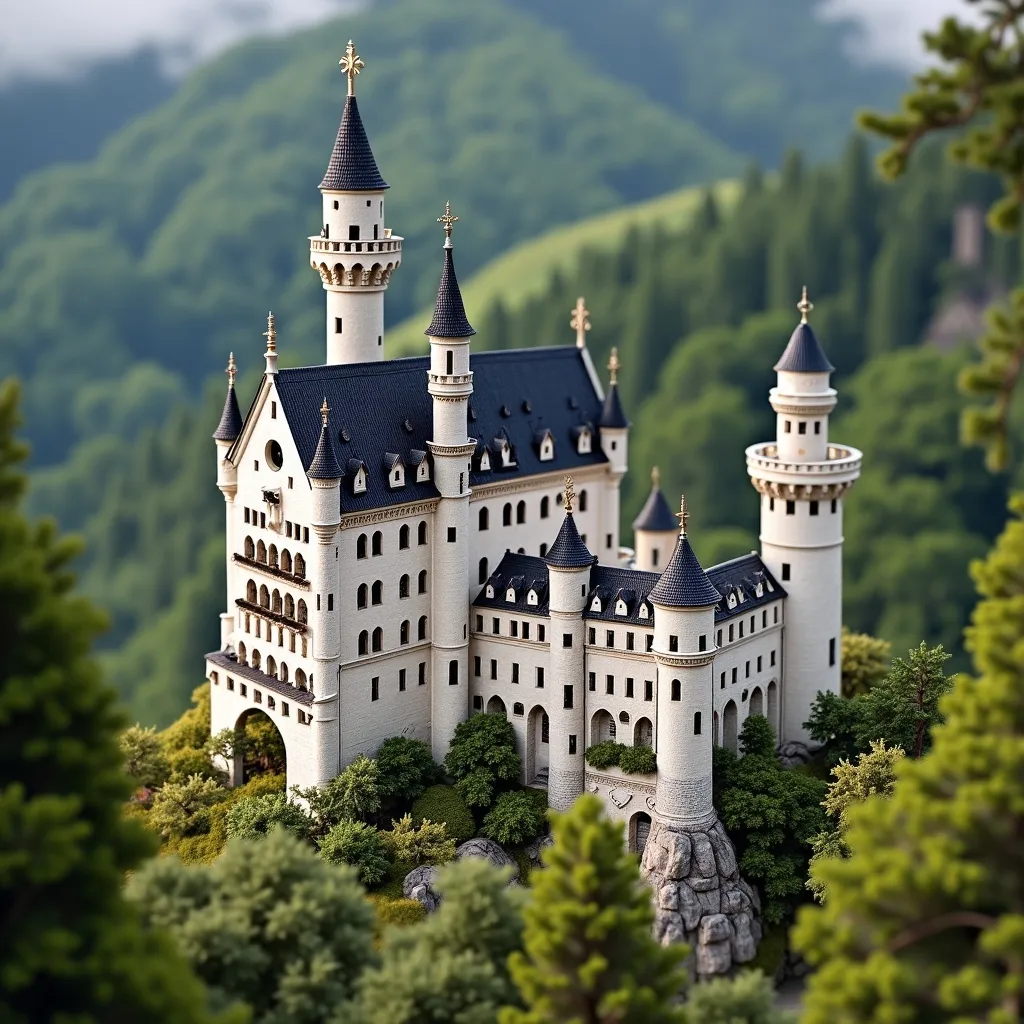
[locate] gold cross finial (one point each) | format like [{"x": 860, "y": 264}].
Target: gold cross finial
[
  {"x": 656, "y": 477},
  {"x": 580, "y": 322},
  {"x": 324, "y": 410},
  {"x": 447, "y": 219},
  {"x": 805, "y": 306},
  {"x": 230, "y": 371},
  {"x": 570, "y": 494},
  {"x": 271, "y": 333},
  {"x": 351, "y": 64},
  {"x": 682, "y": 515},
  {"x": 614, "y": 366}
]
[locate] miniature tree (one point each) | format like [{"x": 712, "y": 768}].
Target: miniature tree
[
  {"x": 482, "y": 758},
  {"x": 361, "y": 846},
  {"x": 144, "y": 757},
  {"x": 253, "y": 817},
  {"x": 864, "y": 661},
  {"x": 589, "y": 952},
  {"x": 351, "y": 796}
]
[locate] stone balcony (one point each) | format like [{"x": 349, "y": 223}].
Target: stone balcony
[{"x": 841, "y": 467}]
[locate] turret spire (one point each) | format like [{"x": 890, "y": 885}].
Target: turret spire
[
  {"x": 684, "y": 584},
  {"x": 325, "y": 462},
  {"x": 805, "y": 306},
  {"x": 351, "y": 64},
  {"x": 682, "y": 515},
  {"x": 612, "y": 416},
  {"x": 271, "y": 335},
  {"x": 448, "y": 219},
  {"x": 230, "y": 425},
  {"x": 613, "y": 367},
  {"x": 804, "y": 353},
  {"x": 449, "y": 319},
  {"x": 580, "y": 322},
  {"x": 570, "y": 494},
  {"x": 568, "y": 550}
]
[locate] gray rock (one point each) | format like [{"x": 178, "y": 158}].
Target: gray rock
[
  {"x": 751, "y": 891},
  {"x": 673, "y": 931},
  {"x": 711, "y": 902},
  {"x": 714, "y": 928},
  {"x": 735, "y": 901},
  {"x": 678, "y": 855},
  {"x": 704, "y": 884},
  {"x": 725, "y": 855},
  {"x": 689, "y": 906},
  {"x": 755, "y": 930},
  {"x": 714, "y": 957},
  {"x": 536, "y": 848},
  {"x": 703, "y": 857},
  {"x": 793, "y": 753},
  {"x": 489, "y": 850},
  {"x": 419, "y": 885},
  {"x": 668, "y": 897},
  {"x": 744, "y": 946},
  {"x": 655, "y": 858}
]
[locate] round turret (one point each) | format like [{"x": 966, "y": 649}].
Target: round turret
[{"x": 655, "y": 529}]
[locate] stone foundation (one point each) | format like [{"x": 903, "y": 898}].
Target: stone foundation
[{"x": 699, "y": 897}]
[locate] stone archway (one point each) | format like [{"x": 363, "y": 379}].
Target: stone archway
[
  {"x": 639, "y": 830},
  {"x": 602, "y": 727},
  {"x": 729, "y": 726},
  {"x": 496, "y": 706},
  {"x": 537, "y": 748},
  {"x": 259, "y": 747},
  {"x": 773, "y": 705},
  {"x": 756, "y": 706},
  {"x": 643, "y": 733}
]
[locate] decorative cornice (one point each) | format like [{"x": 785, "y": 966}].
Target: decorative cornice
[
  {"x": 821, "y": 409},
  {"x": 461, "y": 450},
  {"x": 267, "y": 570},
  {"x": 293, "y": 624},
  {"x": 685, "y": 660},
  {"x": 800, "y": 492},
  {"x": 386, "y": 515},
  {"x": 377, "y": 656},
  {"x": 600, "y": 779},
  {"x": 535, "y": 482},
  {"x": 462, "y": 396}
]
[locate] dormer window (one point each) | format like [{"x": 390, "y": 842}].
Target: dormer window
[
  {"x": 759, "y": 590},
  {"x": 531, "y": 597},
  {"x": 506, "y": 456},
  {"x": 545, "y": 445},
  {"x": 357, "y": 470},
  {"x": 643, "y": 613},
  {"x": 485, "y": 461},
  {"x": 583, "y": 442},
  {"x": 510, "y": 595},
  {"x": 489, "y": 591},
  {"x": 595, "y": 605},
  {"x": 731, "y": 600},
  {"x": 620, "y": 607},
  {"x": 422, "y": 472}
]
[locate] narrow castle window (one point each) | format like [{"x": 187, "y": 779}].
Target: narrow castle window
[
  {"x": 361, "y": 546},
  {"x": 677, "y": 690},
  {"x": 421, "y": 629},
  {"x": 364, "y": 640},
  {"x": 648, "y": 689},
  {"x": 832, "y": 651},
  {"x": 572, "y": 744},
  {"x": 785, "y": 571},
  {"x": 403, "y": 633},
  {"x": 450, "y": 362},
  {"x": 377, "y": 593},
  {"x": 483, "y": 519},
  {"x": 817, "y": 426},
  {"x": 375, "y": 688},
  {"x": 814, "y": 508},
  {"x": 506, "y": 515},
  {"x": 422, "y": 586},
  {"x": 403, "y": 538},
  {"x": 421, "y": 533},
  {"x": 801, "y": 428},
  {"x": 378, "y": 639},
  {"x": 545, "y": 507},
  {"x": 337, "y": 325},
  {"x": 583, "y": 503},
  {"x": 702, "y": 642},
  {"x": 521, "y": 512},
  {"x": 790, "y": 508},
  {"x": 567, "y": 695},
  {"x": 835, "y": 505},
  {"x": 401, "y": 680},
  {"x": 453, "y": 673},
  {"x": 787, "y": 427},
  {"x": 696, "y": 723},
  {"x": 403, "y": 586},
  {"x": 378, "y": 543}
]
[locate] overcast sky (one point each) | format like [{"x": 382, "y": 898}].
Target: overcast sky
[{"x": 58, "y": 37}]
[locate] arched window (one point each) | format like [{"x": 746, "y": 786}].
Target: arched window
[
  {"x": 756, "y": 706},
  {"x": 421, "y": 533},
  {"x": 583, "y": 501},
  {"x": 286, "y": 560},
  {"x": 545, "y": 507},
  {"x": 261, "y": 552},
  {"x": 506, "y": 515},
  {"x": 250, "y": 592},
  {"x": 256, "y": 659},
  {"x": 271, "y": 667},
  {"x": 403, "y": 537},
  {"x": 729, "y": 717},
  {"x": 276, "y": 605},
  {"x": 272, "y": 556},
  {"x": 543, "y": 550},
  {"x": 483, "y": 571},
  {"x": 696, "y": 723},
  {"x": 677, "y": 690},
  {"x": 422, "y": 587},
  {"x": 289, "y": 606},
  {"x": 300, "y": 679},
  {"x": 364, "y": 640},
  {"x": 378, "y": 639},
  {"x": 282, "y": 673},
  {"x": 521, "y": 512},
  {"x": 403, "y": 632},
  {"x": 377, "y": 593},
  {"x": 378, "y": 543},
  {"x": 484, "y": 518},
  {"x": 421, "y": 631},
  {"x": 240, "y": 654},
  {"x": 361, "y": 546},
  {"x": 250, "y": 548},
  {"x": 300, "y": 567},
  {"x": 362, "y": 595},
  {"x": 301, "y": 616},
  {"x": 264, "y": 597}
]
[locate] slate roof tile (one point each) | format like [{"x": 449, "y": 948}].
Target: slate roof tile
[{"x": 352, "y": 167}]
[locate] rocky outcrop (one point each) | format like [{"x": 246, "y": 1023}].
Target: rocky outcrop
[
  {"x": 700, "y": 898},
  {"x": 793, "y": 754},
  {"x": 489, "y": 850},
  {"x": 421, "y": 883},
  {"x": 536, "y": 849}
]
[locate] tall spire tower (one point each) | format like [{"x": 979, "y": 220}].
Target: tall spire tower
[
  {"x": 354, "y": 253},
  {"x": 802, "y": 480}
]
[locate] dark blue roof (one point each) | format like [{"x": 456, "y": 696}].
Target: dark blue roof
[
  {"x": 804, "y": 353},
  {"x": 609, "y": 583},
  {"x": 371, "y": 402},
  {"x": 741, "y": 577},
  {"x": 612, "y": 415},
  {"x": 230, "y": 425},
  {"x": 656, "y": 516},
  {"x": 521, "y": 572},
  {"x": 568, "y": 550},
  {"x": 684, "y": 584},
  {"x": 449, "y": 319},
  {"x": 352, "y": 167},
  {"x": 325, "y": 463}
]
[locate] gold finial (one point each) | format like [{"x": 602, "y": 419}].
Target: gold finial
[
  {"x": 271, "y": 333},
  {"x": 230, "y": 371},
  {"x": 805, "y": 306},
  {"x": 580, "y": 322},
  {"x": 324, "y": 410},
  {"x": 656, "y": 478},
  {"x": 614, "y": 366},
  {"x": 447, "y": 219},
  {"x": 570, "y": 494},
  {"x": 682, "y": 515},
  {"x": 351, "y": 64}
]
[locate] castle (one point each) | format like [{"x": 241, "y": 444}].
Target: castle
[{"x": 405, "y": 547}]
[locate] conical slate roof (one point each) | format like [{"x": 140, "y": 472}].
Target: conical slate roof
[
  {"x": 325, "y": 463},
  {"x": 230, "y": 425},
  {"x": 352, "y": 167},
  {"x": 612, "y": 416},
  {"x": 804, "y": 353},
  {"x": 656, "y": 516},
  {"x": 569, "y": 551},
  {"x": 684, "y": 584},
  {"x": 449, "y": 319}
]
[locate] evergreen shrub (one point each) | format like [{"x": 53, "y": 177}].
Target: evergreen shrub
[
  {"x": 637, "y": 760},
  {"x": 515, "y": 818},
  {"x": 361, "y": 846},
  {"x": 603, "y": 755},
  {"x": 443, "y": 804}
]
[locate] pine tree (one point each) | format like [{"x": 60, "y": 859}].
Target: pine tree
[
  {"x": 73, "y": 948},
  {"x": 589, "y": 955},
  {"x": 925, "y": 920}
]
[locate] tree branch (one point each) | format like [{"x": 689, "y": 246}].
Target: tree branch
[{"x": 942, "y": 923}]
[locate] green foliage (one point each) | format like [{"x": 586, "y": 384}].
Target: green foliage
[
  {"x": 589, "y": 952},
  {"x": 603, "y": 755},
  {"x": 771, "y": 815},
  {"x": 748, "y": 998},
  {"x": 923, "y": 920},
  {"x": 482, "y": 758},
  {"x": 638, "y": 760},
  {"x": 451, "y": 966},
  {"x": 443, "y": 804},
  {"x": 361, "y": 846},
  {"x": 73, "y": 948},
  {"x": 253, "y": 817},
  {"x": 269, "y": 924},
  {"x": 144, "y": 758},
  {"x": 515, "y": 818},
  {"x": 397, "y": 911},
  {"x": 351, "y": 796},
  {"x": 404, "y": 769},
  {"x": 864, "y": 661},
  {"x": 426, "y": 843},
  {"x": 183, "y": 808}
]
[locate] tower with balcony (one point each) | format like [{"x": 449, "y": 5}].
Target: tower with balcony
[{"x": 802, "y": 479}]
